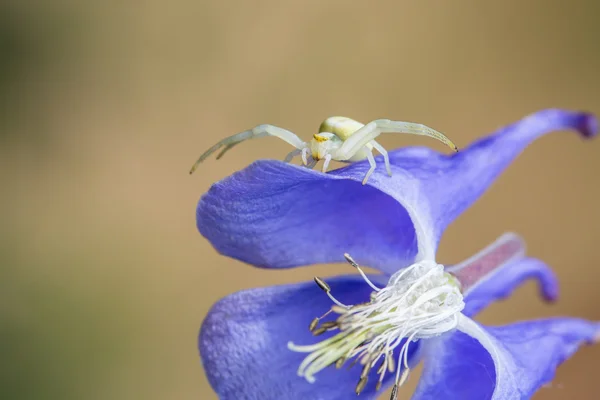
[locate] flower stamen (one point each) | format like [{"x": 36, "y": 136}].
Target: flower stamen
[
  {"x": 355, "y": 265},
  {"x": 327, "y": 289},
  {"x": 420, "y": 301}
]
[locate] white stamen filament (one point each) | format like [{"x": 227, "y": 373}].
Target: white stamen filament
[
  {"x": 364, "y": 276},
  {"x": 336, "y": 301},
  {"x": 420, "y": 301}
]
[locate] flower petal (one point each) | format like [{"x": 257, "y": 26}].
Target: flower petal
[
  {"x": 278, "y": 215},
  {"x": 501, "y": 363},
  {"x": 470, "y": 172},
  {"x": 243, "y": 343}
]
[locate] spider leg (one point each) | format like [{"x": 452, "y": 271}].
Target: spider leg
[
  {"x": 256, "y": 132},
  {"x": 326, "y": 161},
  {"x": 387, "y": 126},
  {"x": 311, "y": 164},
  {"x": 385, "y": 155},
  {"x": 225, "y": 149},
  {"x": 375, "y": 128},
  {"x": 290, "y": 156},
  {"x": 373, "y": 165},
  {"x": 305, "y": 155}
]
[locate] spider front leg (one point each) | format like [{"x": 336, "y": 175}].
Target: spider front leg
[
  {"x": 256, "y": 132},
  {"x": 226, "y": 149},
  {"x": 373, "y": 129},
  {"x": 387, "y": 126}
]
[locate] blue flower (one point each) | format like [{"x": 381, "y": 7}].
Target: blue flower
[{"x": 256, "y": 344}]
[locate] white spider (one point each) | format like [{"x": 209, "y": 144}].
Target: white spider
[{"x": 339, "y": 138}]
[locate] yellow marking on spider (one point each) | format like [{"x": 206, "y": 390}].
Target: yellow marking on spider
[{"x": 320, "y": 138}]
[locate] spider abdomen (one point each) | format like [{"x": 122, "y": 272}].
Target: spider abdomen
[{"x": 342, "y": 127}]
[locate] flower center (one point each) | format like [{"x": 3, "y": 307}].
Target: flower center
[{"x": 419, "y": 302}]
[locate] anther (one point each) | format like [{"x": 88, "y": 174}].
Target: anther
[
  {"x": 351, "y": 260},
  {"x": 394, "y": 395},
  {"x": 340, "y": 362},
  {"x": 327, "y": 289},
  {"x": 315, "y": 321},
  {"x": 338, "y": 310},
  {"x": 322, "y": 284},
  {"x": 319, "y": 331},
  {"x": 329, "y": 325},
  {"x": 378, "y": 386},
  {"x": 361, "y": 385}
]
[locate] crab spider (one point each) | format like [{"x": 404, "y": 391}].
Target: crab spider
[{"x": 339, "y": 138}]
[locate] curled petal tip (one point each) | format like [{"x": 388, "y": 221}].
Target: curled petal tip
[
  {"x": 550, "y": 293},
  {"x": 550, "y": 298},
  {"x": 596, "y": 339},
  {"x": 588, "y": 125}
]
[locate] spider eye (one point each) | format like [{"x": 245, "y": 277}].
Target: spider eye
[{"x": 320, "y": 138}]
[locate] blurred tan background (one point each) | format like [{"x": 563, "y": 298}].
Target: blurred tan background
[{"x": 104, "y": 106}]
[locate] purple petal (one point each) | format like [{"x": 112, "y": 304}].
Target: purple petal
[
  {"x": 243, "y": 343},
  {"x": 503, "y": 281},
  {"x": 526, "y": 355},
  {"x": 277, "y": 215},
  {"x": 473, "y": 170}
]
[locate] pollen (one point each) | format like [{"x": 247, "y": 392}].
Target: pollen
[{"x": 419, "y": 302}]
